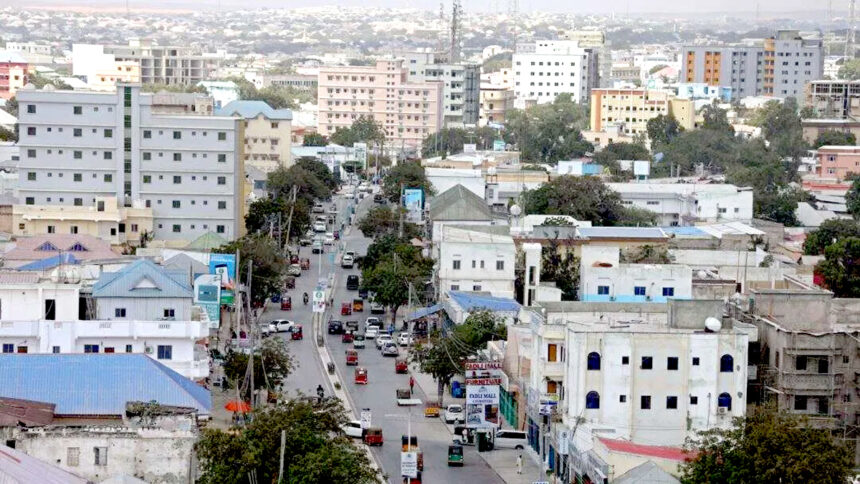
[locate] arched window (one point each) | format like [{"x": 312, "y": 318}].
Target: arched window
[
  {"x": 725, "y": 401},
  {"x": 592, "y": 400},
  {"x": 594, "y": 361},
  {"x": 727, "y": 364}
]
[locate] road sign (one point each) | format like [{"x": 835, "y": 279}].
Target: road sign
[
  {"x": 483, "y": 381},
  {"x": 483, "y": 365},
  {"x": 409, "y": 464},
  {"x": 365, "y": 418},
  {"x": 319, "y": 301}
]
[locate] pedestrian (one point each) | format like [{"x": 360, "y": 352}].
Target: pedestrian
[
  {"x": 520, "y": 464},
  {"x": 465, "y": 435},
  {"x": 223, "y": 383},
  {"x": 411, "y": 384}
]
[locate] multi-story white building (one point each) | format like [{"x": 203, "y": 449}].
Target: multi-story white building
[
  {"x": 142, "y": 308},
  {"x": 460, "y": 86},
  {"x": 477, "y": 258},
  {"x": 604, "y": 278},
  {"x": 547, "y": 68},
  {"x": 77, "y": 146},
  {"x": 686, "y": 203}
]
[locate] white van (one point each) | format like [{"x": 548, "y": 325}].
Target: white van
[{"x": 510, "y": 439}]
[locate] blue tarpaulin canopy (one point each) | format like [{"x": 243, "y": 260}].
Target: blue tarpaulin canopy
[{"x": 424, "y": 312}]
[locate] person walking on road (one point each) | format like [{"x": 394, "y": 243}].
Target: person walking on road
[
  {"x": 520, "y": 464},
  {"x": 411, "y": 384}
]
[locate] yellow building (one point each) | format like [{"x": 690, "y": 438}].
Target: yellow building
[
  {"x": 105, "y": 79},
  {"x": 268, "y": 133},
  {"x": 106, "y": 219},
  {"x": 496, "y": 101},
  {"x": 631, "y": 109}
]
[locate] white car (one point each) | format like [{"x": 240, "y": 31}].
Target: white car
[
  {"x": 358, "y": 341},
  {"x": 353, "y": 429},
  {"x": 281, "y": 326},
  {"x": 318, "y": 208},
  {"x": 294, "y": 270},
  {"x": 373, "y": 321},
  {"x": 382, "y": 340},
  {"x": 319, "y": 227},
  {"x": 348, "y": 261},
  {"x": 404, "y": 339},
  {"x": 454, "y": 414},
  {"x": 376, "y": 308},
  {"x": 329, "y": 238},
  {"x": 371, "y": 332},
  {"x": 390, "y": 349}
]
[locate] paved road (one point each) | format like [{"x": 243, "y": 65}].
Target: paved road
[{"x": 379, "y": 395}]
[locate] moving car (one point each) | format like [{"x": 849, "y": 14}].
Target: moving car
[
  {"x": 351, "y": 326},
  {"x": 371, "y": 332},
  {"x": 335, "y": 327},
  {"x": 305, "y": 241},
  {"x": 510, "y": 439},
  {"x": 404, "y": 339},
  {"x": 353, "y": 429},
  {"x": 295, "y": 270},
  {"x": 318, "y": 208},
  {"x": 352, "y": 282},
  {"x": 358, "y": 341},
  {"x": 319, "y": 227},
  {"x": 281, "y": 326},
  {"x": 454, "y": 413},
  {"x": 390, "y": 349},
  {"x": 317, "y": 247},
  {"x": 329, "y": 238},
  {"x": 348, "y": 261},
  {"x": 373, "y": 321},
  {"x": 376, "y": 308},
  {"x": 382, "y": 339}
]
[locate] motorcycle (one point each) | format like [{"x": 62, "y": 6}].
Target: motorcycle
[{"x": 305, "y": 299}]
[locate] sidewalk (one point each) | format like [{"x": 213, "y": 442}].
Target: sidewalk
[{"x": 502, "y": 461}]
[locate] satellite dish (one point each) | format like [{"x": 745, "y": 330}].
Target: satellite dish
[
  {"x": 515, "y": 210},
  {"x": 701, "y": 274},
  {"x": 713, "y": 324}
]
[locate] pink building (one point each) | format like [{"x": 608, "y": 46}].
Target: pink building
[
  {"x": 838, "y": 161},
  {"x": 408, "y": 112}
]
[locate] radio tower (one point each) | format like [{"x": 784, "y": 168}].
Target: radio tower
[
  {"x": 851, "y": 33},
  {"x": 456, "y": 12}
]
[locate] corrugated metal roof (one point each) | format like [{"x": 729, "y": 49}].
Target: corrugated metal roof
[
  {"x": 97, "y": 384},
  {"x": 662, "y": 452},
  {"x": 18, "y": 467},
  {"x": 622, "y": 232},
  {"x": 646, "y": 473},
  {"x": 50, "y": 262},
  {"x": 459, "y": 203},
  {"x": 142, "y": 278},
  {"x": 9, "y": 277},
  {"x": 470, "y": 301},
  {"x": 208, "y": 241},
  {"x": 251, "y": 109}
]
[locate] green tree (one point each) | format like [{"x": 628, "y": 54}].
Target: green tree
[
  {"x": 769, "y": 447},
  {"x": 613, "y": 152},
  {"x": 663, "y": 129},
  {"x": 713, "y": 150},
  {"x": 407, "y": 174},
  {"x": 561, "y": 267},
  {"x": 319, "y": 170},
  {"x": 497, "y": 62},
  {"x": 11, "y": 106},
  {"x": 363, "y": 130},
  {"x": 780, "y": 126},
  {"x": 383, "y": 220},
  {"x": 852, "y": 198},
  {"x": 850, "y": 70},
  {"x": 828, "y": 233},
  {"x": 268, "y": 264},
  {"x": 7, "y": 135},
  {"x": 272, "y": 365},
  {"x": 309, "y": 187},
  {"x": 757, "y": 166},
  {"x": 832, "y": 137},
  {"x": 390, "y": 279},
  {"x": 583, "y": 198},
  {"x": 449, "y": 141},
  {"x": 159, "y": 87},
  {"x": 314, "y": 139},
  {"x": 262, "y": 213},
  {"x": 715, "y": 118},
  {"x": 316, "y": 449},
  {"x": 546, "y": 133},
  {"x": 841, "y": 267}
]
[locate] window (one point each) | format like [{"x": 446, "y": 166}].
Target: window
[
  {"x": 177, "y": 156},
  {"x": 594, "y": 361},
  {"x": 147, "y": 134},
  {"x": 8, "y": 348},
  {"x": 31, "y": 131},
  {"x": 222, "y": 158},
  {"x": 668, "y": 291},
  {"x": 552, "y": 352},
  {"x": 73, "y": 229},
  {"x": 694, "y": 400},
  {"x": 219, "y": 229},
  {"x": 165, "y": 352},
  {"x": 108, "y": 155},
  {"x": 73, "y": 456},
  {"x": 177, "y": 135},
  {"x": 727, "y": 364},
  {"x": 108, "y": 177},
  {"x": 222, "y": 205},
  {"x": 119, "y": 312},
  {"x": 177, "y": 228},
  {"x": 31, "y": 176},
  {"x": 695, "y": 361},
  {"x": 455, "y": 287},
  {"x": 639, "y": 290},
  {"x": 800, "y": 402},
  {"x": 29, "y": 201},
  {"x": 31, "y": 109},
  {"x": 128, "y": 348},
  {"x": 672, "y": 363},
  {"x": 177, "y": 179},
  {"x": 500, "y": 265},
  {"x": 77, "y": 132},
  {"x": 724, "y": 401},
  {"x": 147, "y": 178},
  {"x": 55, "y": 349},
  {"x": 222, "y": 136},
  {"x": 603, "y": 290},
  {"x": 177, "y": 204},
  {"x": 50, "y": 309},
  {"x": 108, "y": 133},
  {"x": 456, "y": 265},
  {"x": 476, "y": 288},
  {"x": 592, "y": 400},
  {"x": 645, "y": 402},
  {"x": 91, "y": 348},
  {"x": 78, "y": 110},
  {"x": 169, "y": 313},
  {"x": 672, "y": 402},
  {"x": 625, "y": 360},
  {"x": 647, "y": 363},
  {"x": 77, "y": 155},
  {"x": 100, "y": 455},
  {"x": 78, "y": 202},
  {"x": 222, "y": 180},
  {"x": 622, "y": 398},
  {"x": 31, "y": 153}
]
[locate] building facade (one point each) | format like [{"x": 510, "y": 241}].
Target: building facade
[
  {"x": 839, "y": 162},
  {"x": 631, "y": 109},
  {"x": 496, "y": 101},
  {"x": 547, "y": 68},
  {"x": 78, "y": 146},
  {"x": 477, "y": 259},
  {"x": 460, "y": 86},
  {"x": 684, "y": 204},
  {"x": 268, "y": 133},
  {"x": 834, "y": 99},
  {"x": 13, "y": 73},
  {"x": 604, "y": 278},
  {"x": 407, "y": 112},
  {"x": 779, "y": 66}
]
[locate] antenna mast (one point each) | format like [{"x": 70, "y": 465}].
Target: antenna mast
[{"x": 456, "y": 12}]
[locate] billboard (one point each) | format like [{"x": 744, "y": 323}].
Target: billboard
[
  {"x": 360, "y": 154},
  {"x": 482, "y": 406},
  {"x": 413, "y": 202},
  {"x": 224, "y": 266},
  {"x": 498, "y": 145},
  {"x": 207, "y": 295}
]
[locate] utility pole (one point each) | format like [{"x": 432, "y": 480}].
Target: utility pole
[
  {"x": 849, "y": 42},
  {"x": 283, "y": 444},
  {"x": 400, "y": 211},
  {"x": 250, "y": 334},
  {"x": 290, "y": 217}
]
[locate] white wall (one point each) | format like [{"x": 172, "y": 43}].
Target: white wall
[
  {"x": 444, "y": 178},
  {"x": 499, "y": 283},
  {"x": 26, "y": 302}
]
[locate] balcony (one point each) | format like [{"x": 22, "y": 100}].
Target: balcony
[
  {"x": 815, "y": 382},
  {"x": 554, "y": 370},
  {"x": 106, "y": 329}
]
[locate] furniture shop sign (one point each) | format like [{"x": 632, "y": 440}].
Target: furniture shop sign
[{"x": 482, "y": 406}]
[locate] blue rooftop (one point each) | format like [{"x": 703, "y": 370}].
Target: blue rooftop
[
  {"x": 622, "y": 232},
  {"x": 420, "y": 313},
  {"x": 50, "y": 262},
  {"x": 143, "y": 278},
  {"x": 688, "y": 231},
  {"x": 252, "y": 109},
  {"x": 97, "y": 384},
  {"x": 471, "y": 301}
]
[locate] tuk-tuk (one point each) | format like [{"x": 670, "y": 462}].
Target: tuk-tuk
[
  {"x": 361, "y": 376},
  {"x": 347, "y": 337},
  {"x": 357, "y": 305},
  {"x": 345, "y": 309},
  {"x": 294, "y": 259},
  {"x": 286, "y": 302},
  {"x": 455, "y": 455},
  {"x": 306, "y": 264},
  {"x": 290, "y": 282},
  {"x": 297, "y": 332},
  {"x": 373, "y": 436},
  {"x": 412, "y": 480},
  {"x": 431, "y": 410},
  {"x": 351, "y": 357},
  {"x": 401, "y": 365}
]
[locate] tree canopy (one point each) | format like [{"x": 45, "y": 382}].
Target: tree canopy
[
  {"x": 272, "y": 365},
  {"x": 832, "y": 137},
  {"x": 314, "y": 139},
  {"x": 583, "y": 198},
  {"x": 841, "y": 267},
  {"x": 268, "y": 263},
  {"x": 309, "y": 186},
  {"x": 547, "y": 133},
  {"x": 277, "y": 97},
  {"x": 663, "y": 129},
  {"x": 390, "y": 266},
  {"x": 615, "y": 151},
  {"x": 449, "y": 141},
  {"x": 850, "y": 70},
  {"x": 828, "y": 233},
  {"x": 852, "y": 198},
  {"x": 264, "y": 212},
  {"x": 363, "y": 130},
  {"x": 769, "y": 447},
  {"x": 407, "y": 174},
  {"x": 384, "y": 220}
]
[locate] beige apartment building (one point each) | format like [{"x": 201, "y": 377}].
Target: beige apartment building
[
  {"x": 106, "y": 219},
  {"x": 496, "y": 101},
  {"x": 631, "y": 109},
  {"x": 268, "y": 133},
  {"x": 408, "y": 112}
]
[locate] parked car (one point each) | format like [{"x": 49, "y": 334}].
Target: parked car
[
  {"x": 352, "y": 282},
  {"x": 390, "y": 349},
  {"x": 317, "y": 247},
  {"x": 305, "y": 241},
  {"x": 281, "y": 326},
  {"x": 318, "y": 208},
  {"x": 382, "y": 339},
  {"x": 358, "y": 341},
  {"x": 378, "y": 198},
  {"x": 454, "y": 414},
  {"x": 295, "y": 270},
  {"x": 353, "y": 429},
  {"x": 510, "y": 439},
  {"x": 371, "y": 332},
  {"x": 348, "y": 261},
  {"x": 404, "y": 339},
  {"x": 332, "y": 210},
  {"x": 376, "y": 308},
  {"x": 329, "y": 238},
  {"x": 335, "y": 327},
  {"x": 319, "y": 227}
]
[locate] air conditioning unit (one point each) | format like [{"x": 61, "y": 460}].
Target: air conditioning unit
[
  {"x": 721, "y": 410},
  {"x": 148, "y": 350}
]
